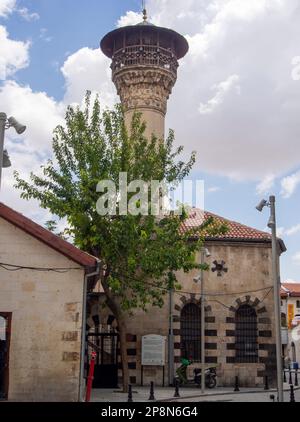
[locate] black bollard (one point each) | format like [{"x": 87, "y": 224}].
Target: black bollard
[
  {"x": 236, "y": 387},
  {"x": 152, "y": 398},
  {"x": 130, "y": 400},
  {"x": 290, "y": 377},
  {"x": 284, "y": 376},
  {"x": 266, "y": 383},
  {"x": 296, "y": 378},
  {"x": 272, "y": 397},
  {"x": 176, "y": 394},
  {"x": 292, "y": 396}
]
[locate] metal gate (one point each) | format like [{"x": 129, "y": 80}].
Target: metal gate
[
  {"x": 106, "y": 346},
  {"x": 5, "y": 319}
]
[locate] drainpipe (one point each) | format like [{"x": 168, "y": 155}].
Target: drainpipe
[{"x": 83, "y": 330}]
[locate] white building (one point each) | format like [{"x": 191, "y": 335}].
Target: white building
[{"x": 290, "y": 321}]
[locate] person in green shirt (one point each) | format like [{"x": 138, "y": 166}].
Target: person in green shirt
[{"x": 181, "y": 371}]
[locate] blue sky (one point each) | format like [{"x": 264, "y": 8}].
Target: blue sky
[{"x": 236, "y": 102}]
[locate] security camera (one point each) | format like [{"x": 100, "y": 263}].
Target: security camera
[
  {"x": 263, "y": 203},
  {"x": 18, "y": 126},
  {"x": 207, "y": 253},
  {"x": 6, "y": 161},
  {"x": 197, "y": 279}
]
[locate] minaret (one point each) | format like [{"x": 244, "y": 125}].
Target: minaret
[{"x": 144, "y": 69}]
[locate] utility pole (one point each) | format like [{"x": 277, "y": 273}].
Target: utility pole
[
  {"x": 204, "y": 253},
  {"x": 3, "y": 119},
  {"x": 276, "y": 280},
  {"x": 202, "y": 326},
  {"x": 276, "y": 288}
]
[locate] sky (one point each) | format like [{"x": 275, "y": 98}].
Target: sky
[{"x": 236, "y": 101}]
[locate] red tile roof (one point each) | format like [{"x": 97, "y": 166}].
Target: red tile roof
[
  {"x": 45, "y": 236},
  {"x": 236, "y": 230},
  {"x": 291, "y": 289}
]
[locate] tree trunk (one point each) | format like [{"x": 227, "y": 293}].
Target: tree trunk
[
  {"x": 115, "y": 307},
  {"x": 123, "y": 346}
]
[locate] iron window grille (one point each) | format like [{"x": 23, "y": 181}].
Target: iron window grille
[
  {"x": 246, "y": 336},
  {"x": 190, "y": 329}
]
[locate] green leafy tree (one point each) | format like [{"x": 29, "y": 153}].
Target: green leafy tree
[{"x": 140, "y": 254}]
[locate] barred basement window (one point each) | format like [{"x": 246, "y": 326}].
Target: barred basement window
[
  {"x": 190, "y": 327},
  {"x": 246, "y": 335}
]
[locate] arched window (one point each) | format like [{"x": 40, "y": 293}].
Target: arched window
[
  {"x": 246, "y": 335},
  {"x": 190, "y": 329}
]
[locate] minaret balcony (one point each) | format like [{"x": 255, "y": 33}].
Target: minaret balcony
[{"x": 144, "y": 55}]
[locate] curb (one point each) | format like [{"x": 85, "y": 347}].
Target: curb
[{"x": 226, "y": 393}]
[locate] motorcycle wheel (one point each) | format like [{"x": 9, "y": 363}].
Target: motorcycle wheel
[
  {"x": 212, "y": 382},
  {"x": 198, "y": 380}
]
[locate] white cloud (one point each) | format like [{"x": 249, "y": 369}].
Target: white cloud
[
  {"x": 293, "y": 230},
  {"x": 247, "y": 136},
  {"x": 213, "y": 189},
  {"x": 131, "y": 18},
  {"x": 27, "y": 15},
  {"x": 6, "y": 7},
  {"x": 88, "y": 69},
  {"x": 265, "y": 185},
  {"x": 41, "y": 115},
  {"x": 221, "y": 91},
  {"x": 14, "y": 55},
  {"x": 280, "y": 231},
  {"x": 289, "y": 184},
  {"x": 44, "y": 35},
  {"x": 289, "y": 280},
  {"x": 296, "y": 258}
]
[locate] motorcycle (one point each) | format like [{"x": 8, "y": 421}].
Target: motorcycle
[
  {"x": 210, "y": 377},
  {"x": 209, "y": 373}
]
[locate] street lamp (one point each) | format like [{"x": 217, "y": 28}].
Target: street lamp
[
  {"x": 204, "y": 253},
  {"x": 276, "y": 283},
  {"x": 6, "y": 123}
]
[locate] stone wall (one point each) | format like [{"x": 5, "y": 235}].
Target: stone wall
[
  {"x": 46, "y": 309},
  {"x": 247, "y": 281}
]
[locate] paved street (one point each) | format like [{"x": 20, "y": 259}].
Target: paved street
[{"x": 141, "y": 394}]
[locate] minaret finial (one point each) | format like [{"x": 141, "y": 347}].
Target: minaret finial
[{"x": 145, "y": 17}]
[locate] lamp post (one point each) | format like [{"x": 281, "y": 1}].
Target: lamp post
[
  {"x": 204, "y": 253},
  {"x": 6, "y": 124},
  {"x": 276, "y": 284}
]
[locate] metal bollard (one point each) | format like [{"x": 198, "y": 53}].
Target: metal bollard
[
  {"x": 272, "y": 397},
  {"x": 176, "y": 394},
  {"x": 292, "y": 395},
  {"x": 284, "y": 375},
  {"x": 296, "y": 378},
  {"x": 130, "y": 400},
  {"x": 152, "y": 398},
  {"x": 290, "y": 377},
  {"x": 266, "y": 383},
  {"x": 236, "y": 387}
]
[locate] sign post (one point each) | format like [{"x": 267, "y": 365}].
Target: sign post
[{"x": 154, "y": 352}]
